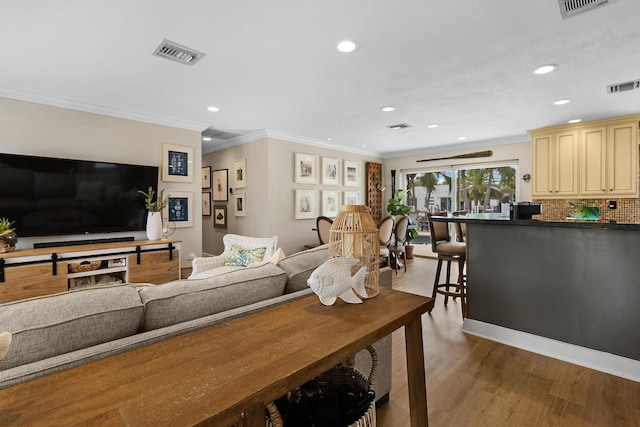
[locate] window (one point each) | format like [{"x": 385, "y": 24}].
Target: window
[{"x": 478, "y": 189}]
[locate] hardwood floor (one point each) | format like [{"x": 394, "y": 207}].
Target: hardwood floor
[{"x": 475, "y": 382}]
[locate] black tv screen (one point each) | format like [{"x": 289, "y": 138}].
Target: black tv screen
[{"x": 48, "y": 196}]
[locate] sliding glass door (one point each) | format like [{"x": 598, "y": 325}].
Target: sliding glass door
[{"x": 480, "y": 188}]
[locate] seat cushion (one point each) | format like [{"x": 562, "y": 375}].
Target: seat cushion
[
  {"x": 299, "y": 266},
  {"x": 48, "y": 326},
  {"x": 183, "y": 300},
  {"x": 452, "y": 248}
]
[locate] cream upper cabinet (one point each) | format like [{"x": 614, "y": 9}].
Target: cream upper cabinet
[
  {"x": 593, "y": 159},
  {"x": 555, "y": 164},
  {"x": 610, "y": 160},
  {"x": 622, "y": 159}
]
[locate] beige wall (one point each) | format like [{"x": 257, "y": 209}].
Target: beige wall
[
  {"x": 518, "y": 152},
  {"x": 270, "y": 192},
  {"x": 40, "y": 130}
]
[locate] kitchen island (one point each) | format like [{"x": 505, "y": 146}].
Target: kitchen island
[{"x": 577, "y": 283}]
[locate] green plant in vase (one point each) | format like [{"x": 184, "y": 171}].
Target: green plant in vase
[
  {"x": 8, "y": 237},
  {"x": 154, "y": 205}
]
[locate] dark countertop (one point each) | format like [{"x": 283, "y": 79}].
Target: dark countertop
[{"x": 497, "y": 219}]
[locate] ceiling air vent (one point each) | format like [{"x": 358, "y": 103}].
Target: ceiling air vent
[
  {"x": 623, "y": 87},
  {"x": 218, "y": 134},
  {"x": 569, "y": 8},
  {"x": 176, "y": 52},
  {"x": 399, "y": 126}
]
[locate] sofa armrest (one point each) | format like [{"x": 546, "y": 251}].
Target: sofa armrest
[{"x": 201, "y": 264}]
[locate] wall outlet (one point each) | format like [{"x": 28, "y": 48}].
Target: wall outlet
[{"x": 613, "y": 204}]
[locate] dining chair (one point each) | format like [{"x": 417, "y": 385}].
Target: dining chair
[
  {"x": 399, "y": 239},
  {"x": 385, "y": 232},
  {"x": 323, "y": 227}
]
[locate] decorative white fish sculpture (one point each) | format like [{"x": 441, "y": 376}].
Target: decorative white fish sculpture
[{"x": 333, "y": 280}]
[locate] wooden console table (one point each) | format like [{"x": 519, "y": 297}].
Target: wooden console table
[{"x": 224, "y": 374}]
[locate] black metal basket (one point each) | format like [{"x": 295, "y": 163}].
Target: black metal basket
[{"x": 340, "y": 397}]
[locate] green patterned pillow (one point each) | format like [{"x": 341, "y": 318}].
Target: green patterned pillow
[{"x": 243, "y": 257}]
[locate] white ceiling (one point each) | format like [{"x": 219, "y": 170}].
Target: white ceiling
[{"x": 463, "y": 64}]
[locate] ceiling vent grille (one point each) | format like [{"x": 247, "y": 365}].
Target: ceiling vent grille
[
  {"x": 623, "y": 87},
  {"x": 176, "y": 52},
  {"x": 218, "y": 134},
  {"x": 399, "y": 126},
  {"x": 569, "y": 8}
]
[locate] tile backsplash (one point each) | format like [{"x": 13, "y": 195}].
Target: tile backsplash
[{"x": 627, "y": 212}]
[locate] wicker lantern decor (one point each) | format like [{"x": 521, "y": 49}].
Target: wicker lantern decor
[{"x": 354, "y": 234}]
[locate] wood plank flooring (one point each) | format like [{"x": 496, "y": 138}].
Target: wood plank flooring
[{"x": 475, "y": 382}]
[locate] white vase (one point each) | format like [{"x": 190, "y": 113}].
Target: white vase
[{"x": 154, "y": 226}]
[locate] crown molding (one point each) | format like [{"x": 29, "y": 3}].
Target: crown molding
[
  {"x": 72, "y": 104},
  {"x": 270, "y": 133},
  {"x": 515, "y": 139}
]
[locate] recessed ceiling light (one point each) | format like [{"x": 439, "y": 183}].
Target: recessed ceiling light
[
  {"x": 329, "y": 139},
  {"x": 347, "y": 46},
  {"x": 462, "y": 138},
  {"x": 575, "y": 121},
  {"x": 213, "y": 109},
  {"x": 432, "y": 126},
  {"x": 562, "y": 102},
  {"x": 206, "y": 138},
  {"x": 364, "y": 146},
  {"x": 545, "y": 69},
  {"x": 388, "y": 108}
]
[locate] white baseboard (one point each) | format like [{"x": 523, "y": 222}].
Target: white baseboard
[{"x": 593, "y": 359}]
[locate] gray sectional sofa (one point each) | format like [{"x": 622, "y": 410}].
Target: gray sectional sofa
[{"x": 60, "y": 331}]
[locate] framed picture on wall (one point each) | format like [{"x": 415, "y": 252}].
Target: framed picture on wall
[
  {"x": 179, "y": 210},
  {"x": 352, "y": 174},
  {"x": 305, "y": 169},
  {"x": 177, "y": 163},
  {"x": 239, "y": 204},
  {"x": 206, "y": 203},
  {"x": 220, "y": 182},
  {"x": 330, "y": 203},
  {"x": 219, "y": 216},
  {"x": 206, "y": 177},
  {"x": 352, "y": 198},
  {"x": 240, "y": 175},
  {"x": 306, "y": 204},
  {"x": 330, "y": 171}
]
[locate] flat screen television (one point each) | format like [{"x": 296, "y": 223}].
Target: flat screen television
[{"x": 48, "y": 196}]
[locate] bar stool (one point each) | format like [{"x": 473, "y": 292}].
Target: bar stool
[
  {"x": 461, "y": 232},
  {"x": 448, "y": 251},
  {"x": 461, "y": 227}
]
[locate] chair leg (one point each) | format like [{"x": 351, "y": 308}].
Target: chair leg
[
  {"x": 446, "y": 297},
  {"x": 436, "y": 282},
  {"x": 404, "y": 259},
  {"x": 462, "y": 287}
]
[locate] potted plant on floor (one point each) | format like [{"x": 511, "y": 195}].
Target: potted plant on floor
[
  {"x": 8, "y": 237},
  {"x": 412, "y": 233},
  {"x": 154, "y": 217}
]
